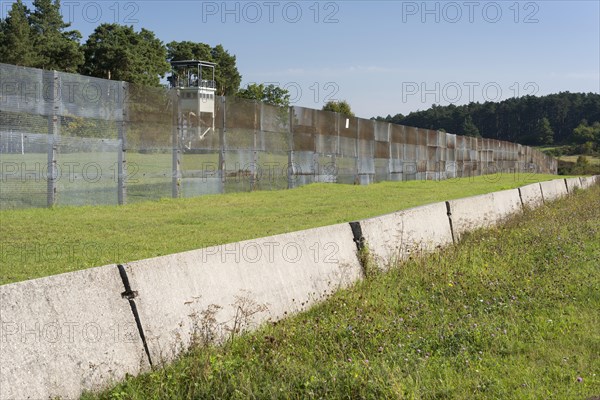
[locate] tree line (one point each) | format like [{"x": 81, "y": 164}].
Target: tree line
[
  {"x": 40, "y": 38},
  {"x": 563, "y": 118}
]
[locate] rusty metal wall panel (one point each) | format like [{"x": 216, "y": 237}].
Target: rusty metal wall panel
[
  {"x": 382, "y": 149},
  {"x": 242, "y": 113},
  {"x": 366, "y": 130},
  {"x": 326, "y": 144},
  {"x": 396, "y": 165},
  {"x": 326, "y": 123},
  {"x": 382, "y": 169},
  {"x": 382, "y": 131},
  {"x": 397, "y": 134},
  {"x": 351, "y": 131},
  {"x": 397, "y": 151},
  {"x": 450, "y": 141},
  {"x": 410, "y": 153},
  {"x": 411, "y": 135},
  {"x": 347, "y": 147},
  {"x": 422, "y": 137},
  {"x": 431, "y": 154},
  {"x": 303, "y": 120},
  {"x": 274, "y": 119},
  {"x": 366, "y": 149},
  {"x": 304, "y": 142},
  {"x": 450, "y": 154},
  {"x": 432, "y": 137},
  {"x": 442, "y": 139}
]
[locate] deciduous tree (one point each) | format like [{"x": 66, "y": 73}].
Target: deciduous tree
[
  {"x": 269, "y": 94},
  {"x": 341, "y": 107}
]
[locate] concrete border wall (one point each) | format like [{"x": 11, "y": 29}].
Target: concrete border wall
[
  {"x": 285, "y": 273},
  {"x": 553, "y": 190},
  {"x": 395, "y": 236},
  {"x": 84, "y": 330},
  {"x": 588, "y": 181},
  {"x": 66, "y": 333},
  {"x": 531, "y": 195},
  {"x": 573, "y": 184},
  {"x": 482, "y": 211}
]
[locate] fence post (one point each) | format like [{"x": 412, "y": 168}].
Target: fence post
[
  {"x": 254, "y": 166},
  {"x": 404, "y": 152},
  {"x": 333, "y": 168},
  {"x": 222, "y": 144},
  {"x": 53, "y": 132},
  {"x": 176, "y": 161},
  {"x": 121, "y": 157},
  {"x": 290, "y": 166},
  {"x": 390, "y": 154},
  {"x": 357, "y": 147}
]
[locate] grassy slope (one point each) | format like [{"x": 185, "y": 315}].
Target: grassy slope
[
  {"x": 570, "y": 160},
  {"x": 591, "y": 159},
  {"x": 510, "y": 312},
  {"x": 42, "y": 242}
]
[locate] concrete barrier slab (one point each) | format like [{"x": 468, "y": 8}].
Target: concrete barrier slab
[
  {"x": 395, "y": 236},
  {"x": 572, "y": 184},
  {"x": 507, "y": 203},
  {"x": 205, "y": 294},
  {"x": 587, "y": 181},
  {"x": 67, "y": 333},
  {"x": 531, "y": 195},
  {"x": 552, "y": 190},
  {"x": 483, "y": 211}
]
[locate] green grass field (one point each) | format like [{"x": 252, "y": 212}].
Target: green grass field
[
  {"x": 42, "y": 242},
  {"x": 567, "y": 157},
  {"x": 592, "y": 160},
  {"x": 509, "y": 313}
]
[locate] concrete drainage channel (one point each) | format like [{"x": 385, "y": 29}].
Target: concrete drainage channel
[{"x": 84, "y": 330}]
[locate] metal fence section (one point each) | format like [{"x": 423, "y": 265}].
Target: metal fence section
[{"x": 68, "y": 139}]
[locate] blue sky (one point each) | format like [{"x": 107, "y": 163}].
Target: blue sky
[{"x": 383, "y": 57}]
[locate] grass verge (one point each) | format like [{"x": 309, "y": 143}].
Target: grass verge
[
  {"x": 510, "y": 312},
  {"x": 42, "y": 242},
  {"x": 573, "y": 159}
]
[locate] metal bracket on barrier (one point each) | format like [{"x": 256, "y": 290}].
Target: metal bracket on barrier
[{"x": 130, "y": 295}]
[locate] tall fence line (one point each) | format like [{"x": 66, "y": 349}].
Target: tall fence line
[{"x": 68, "y": 139}]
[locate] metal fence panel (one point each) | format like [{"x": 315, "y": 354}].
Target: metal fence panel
[
  {"x": 87, "y": 171},
  {"x": 148, "y": 143},
  {"x": 24, "y": 169}
]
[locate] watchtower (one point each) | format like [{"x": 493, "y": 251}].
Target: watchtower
[{"x": 195, "y": 82}]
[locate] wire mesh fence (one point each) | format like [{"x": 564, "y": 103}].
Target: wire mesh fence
[{"x": 68, "y": 139}]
